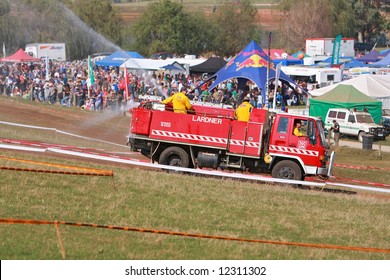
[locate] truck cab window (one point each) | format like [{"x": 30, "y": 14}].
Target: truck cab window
[
  {"x": 351, "y": 119},
  {"x": 283, "y": 124},
  {"x": 300, "y": 128}
]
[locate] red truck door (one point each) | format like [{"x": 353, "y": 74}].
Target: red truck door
[
  {"x": 140, "y": 121},
  {"x": 300, "y": 142}
]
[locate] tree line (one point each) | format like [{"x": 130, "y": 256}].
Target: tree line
[{"x": 165, "y": 25}]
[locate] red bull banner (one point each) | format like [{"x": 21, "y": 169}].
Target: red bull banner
[{"x": 251, "y": 63}]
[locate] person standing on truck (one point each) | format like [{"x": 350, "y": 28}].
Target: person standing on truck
[
  {"x": 180, "y": 102},
  {"x": 336, "y": 132},
  {"x": 242, "y": 113}
]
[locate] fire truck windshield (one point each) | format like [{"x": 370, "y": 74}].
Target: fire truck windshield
[{"x": 321, "y": 132}]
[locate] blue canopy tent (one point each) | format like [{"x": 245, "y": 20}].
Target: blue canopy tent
[
  {"x": 348, "y": 61},
  {"x": 249, "y": 64},
  {"x": 117, "y": 58},
  {"x": 288, "y": 61},
  {"x": 372, "y": 56},
  {"x": 385, "y": 62},
  {"x": 175, "y": 66},
  {"x": 383, "y": 54},
  {"x": 171, "y": 67}
]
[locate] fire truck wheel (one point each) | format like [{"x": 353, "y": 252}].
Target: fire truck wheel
[
  {"x": 174, "y": 156},
  {"x": 287, "y": 169}
]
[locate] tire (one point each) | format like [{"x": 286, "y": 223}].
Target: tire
[
  {"x": 174, "y": 156},
  {"x": 287, "y": 169},
  {"x": 360, "y": 136}
]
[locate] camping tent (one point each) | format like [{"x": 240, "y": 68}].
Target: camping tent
[
  {"x": 210, "y": 66},
  {"x": 249, "y": 64},
  {"x": 117, "y": 58},
  {"x": 375, "y": 86},
  {"x": 345, "y": 96},
  {"x": 372, "y": 56},
  {"x": 20, "y": 56}
]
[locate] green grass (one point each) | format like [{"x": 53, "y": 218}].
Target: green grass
[
  {"x": 363, "y": 158},
  {"x": 189, "y": 5},
  {"x": 177, "y": 202}
]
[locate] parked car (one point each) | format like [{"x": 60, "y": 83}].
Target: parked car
[
  {"x": 355, "y": 123},
  {"x": 162, "y": 55},
  {"x": 386, "y": 120}
]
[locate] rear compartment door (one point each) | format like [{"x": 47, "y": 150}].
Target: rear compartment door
[
  {"x": 245, "y": 138},
  {"x": 141, "y": 119}
]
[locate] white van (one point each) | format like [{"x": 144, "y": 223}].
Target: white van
[
  {"x": 322, "y": 76},
  {"x": 354, "y": 123}
]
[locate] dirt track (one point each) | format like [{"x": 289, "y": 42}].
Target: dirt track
[{"x": 107, "y": 126}]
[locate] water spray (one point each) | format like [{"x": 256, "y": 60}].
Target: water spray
[{"x": 97, "y": 37}]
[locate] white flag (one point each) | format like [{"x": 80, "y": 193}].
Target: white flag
[
  {"x": 47, "y": 68},
  {"x": 277, "y": 74}
]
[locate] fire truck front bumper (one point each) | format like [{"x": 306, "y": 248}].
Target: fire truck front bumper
[
  {"x": 327, "y": 171},
  {"x": 323, "y": 171}
]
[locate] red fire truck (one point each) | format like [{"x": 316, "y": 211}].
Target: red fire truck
[{"x": 210, "y": 137}]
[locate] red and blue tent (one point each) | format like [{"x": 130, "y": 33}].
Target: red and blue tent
[{"x": 249, "y": 64}]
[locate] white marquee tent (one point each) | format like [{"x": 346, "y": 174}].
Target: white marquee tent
[
  {"x": 146, "y": 64},
  {"x": 375, "y": 86}
]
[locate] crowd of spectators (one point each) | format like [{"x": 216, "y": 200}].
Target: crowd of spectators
[{"x": 68, "y": 84}]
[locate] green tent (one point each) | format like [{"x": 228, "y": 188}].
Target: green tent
[{"x": 348, "y": 97}]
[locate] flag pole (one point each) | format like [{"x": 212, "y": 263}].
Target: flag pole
[
  {"x": 91, "y": 75},
  {"x": 268, "y": 69},
  {"x": 47, "y": 68},
  {"x": 277, "y": 74},
  {"x": 126, "y": 84}
]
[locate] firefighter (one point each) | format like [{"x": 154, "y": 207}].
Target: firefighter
[
  {"x": 181, "y": 103},
  {"x": 243, "y": 111},
  {"x": 297, "y": 131}
]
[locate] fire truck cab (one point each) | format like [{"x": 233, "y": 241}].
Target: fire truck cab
[{"x": 210, "y": 137}]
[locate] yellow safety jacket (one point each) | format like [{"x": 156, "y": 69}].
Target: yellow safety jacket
[
  {"x": 181, "y": 103},
  {"x": 243, "y": 111}
]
